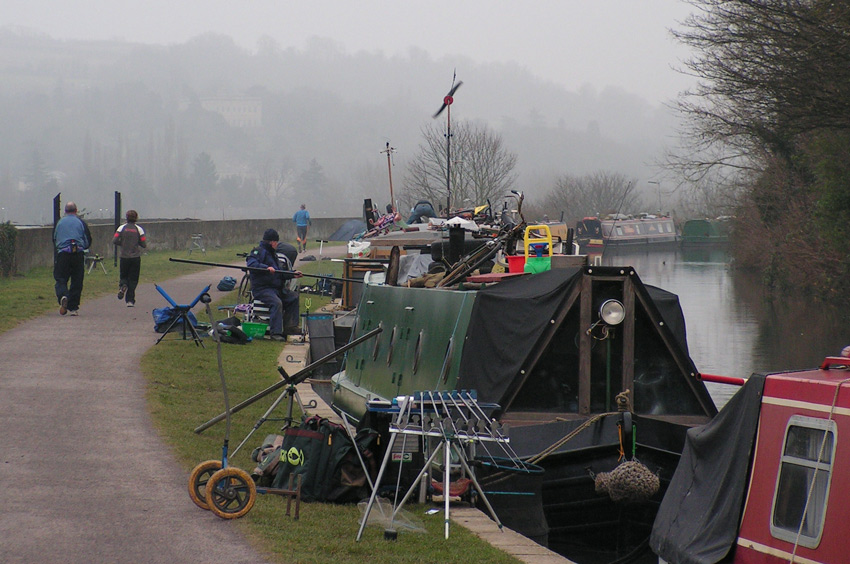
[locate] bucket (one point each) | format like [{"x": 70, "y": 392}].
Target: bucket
[
  {"x": 516, "y": 263},
  {"x": 255, "y": 330}
]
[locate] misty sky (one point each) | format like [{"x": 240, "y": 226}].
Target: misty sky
[{"x": 624, "y": 43}]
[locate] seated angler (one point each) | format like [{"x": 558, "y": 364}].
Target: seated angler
[{"x": 269, "y": 287}]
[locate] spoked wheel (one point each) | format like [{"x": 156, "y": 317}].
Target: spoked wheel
[
  {"x": 198, "y": 481},
  {"x": 231, "y": 493},
  {"x": 243, "y": 295}
]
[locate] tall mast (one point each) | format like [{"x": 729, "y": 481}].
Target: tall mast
[
  {"x": 389, "y": 151},
  {"x": 447, "y": 103}
]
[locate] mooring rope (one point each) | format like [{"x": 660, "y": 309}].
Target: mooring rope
[{"x": 815, "y": 475}]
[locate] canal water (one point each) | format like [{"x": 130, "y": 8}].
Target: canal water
[{"x": 734, "y": 328}]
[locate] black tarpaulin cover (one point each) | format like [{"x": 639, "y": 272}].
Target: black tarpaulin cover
[
  {"x": 668, "y": 305},
  {"x": 507, "y": 319},
  {"x": 697, "y": 522}
]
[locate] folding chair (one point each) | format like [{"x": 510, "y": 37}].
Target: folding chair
[{"x": 182, "y": 314}]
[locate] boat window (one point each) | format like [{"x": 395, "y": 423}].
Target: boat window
[
  {"x": 417, "y": 352},
  {"x": 802, "y": 487},
  {"x": 391, "y": 345},
  {"x": 377, "y": 342}
]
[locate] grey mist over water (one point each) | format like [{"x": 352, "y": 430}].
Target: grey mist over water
[{"x": 733, "y": 327}]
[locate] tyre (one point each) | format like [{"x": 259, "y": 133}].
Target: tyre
[
  {"x": 198, "y": 481},
  {"x": 231, "y": 493}
]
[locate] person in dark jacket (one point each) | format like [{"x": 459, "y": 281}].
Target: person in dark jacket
[
  {"x": 269, "y": 287},
  {"x": 71, "y": 239},
  {"x": 131, "y": 238}
]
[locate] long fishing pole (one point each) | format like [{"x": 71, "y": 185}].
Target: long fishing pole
[
  {"x": 257, "y": 269},
  {"x": 296, "y": 378}
]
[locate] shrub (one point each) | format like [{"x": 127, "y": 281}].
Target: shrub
[{"x": 8, "y": 235}]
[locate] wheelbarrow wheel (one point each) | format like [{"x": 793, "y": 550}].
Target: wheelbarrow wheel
[
  {"x": 198, "y": 481},
  {"x": 231, "y": 493}
]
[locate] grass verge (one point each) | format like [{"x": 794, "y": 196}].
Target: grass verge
[{"x": 184, "y": 390}]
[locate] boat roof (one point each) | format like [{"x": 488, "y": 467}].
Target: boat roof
[{"x": 813, "y": 386}]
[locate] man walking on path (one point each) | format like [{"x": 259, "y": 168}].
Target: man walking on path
[
  {"x": 131, "y": 238},
  {"x": 71, "y": 238},
  {"x": 302, "y": 222}
]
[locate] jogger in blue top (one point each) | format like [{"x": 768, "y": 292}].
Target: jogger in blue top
[{"x": 302, "y": 222}]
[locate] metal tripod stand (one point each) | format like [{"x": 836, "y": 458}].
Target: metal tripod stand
[{"x": 432, "y": 414}]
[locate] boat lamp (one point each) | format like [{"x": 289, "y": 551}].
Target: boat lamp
[{"x": 612, "y": 312}]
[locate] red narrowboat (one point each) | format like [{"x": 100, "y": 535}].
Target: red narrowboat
[{"x": 764, "y": 481}]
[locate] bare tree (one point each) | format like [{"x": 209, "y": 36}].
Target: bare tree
[
  {"x": 482, "y": 168},
  {"x": 275, "y": 181},
  {"x": 770, "y": 71},
  {"x": 599, "y": 193},
  {"x": 771, "y": 119}
]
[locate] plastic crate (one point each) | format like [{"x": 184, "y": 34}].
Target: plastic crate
[{"x": 255, "y": 330}]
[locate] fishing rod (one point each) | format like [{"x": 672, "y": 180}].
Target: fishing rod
[
  {"x": 257, "y": 269},
  {"x": 295, "y": 379}
]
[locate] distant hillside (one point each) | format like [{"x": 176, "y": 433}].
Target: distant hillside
[{"x": 89, "y": 118}]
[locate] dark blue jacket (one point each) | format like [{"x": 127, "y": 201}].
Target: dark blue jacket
[{"x": 264, "y": 256}]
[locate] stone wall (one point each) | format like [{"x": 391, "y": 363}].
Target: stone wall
[{"x": 34, "y": 245}]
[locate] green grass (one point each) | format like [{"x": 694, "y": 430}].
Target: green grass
[
  {"x": 29, "y": 295},
  {"x": 184, "y": 391}
]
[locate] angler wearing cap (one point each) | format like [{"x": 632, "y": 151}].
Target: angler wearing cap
[{"x": 268, "y": 287}]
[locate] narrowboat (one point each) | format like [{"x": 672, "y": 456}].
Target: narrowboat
[
  {"x": 763, "y": 482},
  {"x": 594, "y": 234},
  {"x": 706, "y": 232},
  {"x": 588, "y": 370}
]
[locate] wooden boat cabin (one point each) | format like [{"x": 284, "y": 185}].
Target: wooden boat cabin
[
  {"x": 588, "y": 367},
  {"x": 764, "y": 482}
]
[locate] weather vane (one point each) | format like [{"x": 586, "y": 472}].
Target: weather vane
[{"x": 447, "y": 103}]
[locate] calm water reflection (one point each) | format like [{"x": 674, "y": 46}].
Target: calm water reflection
[{"x": 733, "y": 328}]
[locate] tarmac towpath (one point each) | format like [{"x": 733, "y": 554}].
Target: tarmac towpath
[{"x": 84, "y": 476}]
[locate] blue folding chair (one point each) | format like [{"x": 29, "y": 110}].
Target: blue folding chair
[{"x": 182, "y": 314}]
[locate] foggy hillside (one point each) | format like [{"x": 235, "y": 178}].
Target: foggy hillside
[{"x": 89, "y": 118}]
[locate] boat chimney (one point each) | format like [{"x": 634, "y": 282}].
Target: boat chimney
[{"x": 457, "y": 235}]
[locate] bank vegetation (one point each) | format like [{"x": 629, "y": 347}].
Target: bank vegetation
[{"x": 769, "y": 123}]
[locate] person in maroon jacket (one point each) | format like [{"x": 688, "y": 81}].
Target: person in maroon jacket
[{"x": 131, "y": 238}]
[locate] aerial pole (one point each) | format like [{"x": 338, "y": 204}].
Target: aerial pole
[
  {"x": 389, "y": 151},
  {"x": 447, "y": 103}
]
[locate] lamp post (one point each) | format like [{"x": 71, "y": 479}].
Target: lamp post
[
  {"x": 657, "y": 191},
  {"x": 389, "y": 151}
]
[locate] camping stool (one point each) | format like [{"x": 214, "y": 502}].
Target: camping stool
[
  {"x": 196, "y": 241},
  {"x": 92, "y": 261},
  {"x": 259, "y": 312},
  {"x": 290, "y": 494}
]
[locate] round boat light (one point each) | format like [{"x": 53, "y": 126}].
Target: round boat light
[{"x": 612, "y": 312}]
